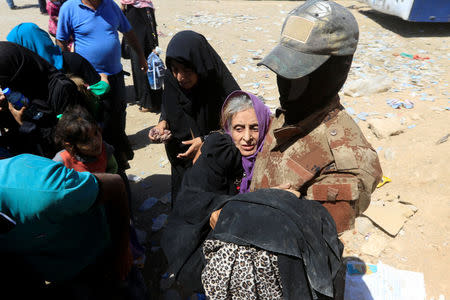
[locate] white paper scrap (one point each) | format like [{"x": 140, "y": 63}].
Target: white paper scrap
[{"x": 382, "y": 282}]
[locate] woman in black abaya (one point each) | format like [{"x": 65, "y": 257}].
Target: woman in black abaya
[
  {"x": 141, "y": 15},
  {"x": 49, "y": 92},
  {"x": 196, "y": 85}
]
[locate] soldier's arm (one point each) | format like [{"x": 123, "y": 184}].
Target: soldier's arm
[{"x": 344, "y": 194}]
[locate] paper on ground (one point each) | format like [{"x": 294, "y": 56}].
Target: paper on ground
[{"x": 382, "y": 282}]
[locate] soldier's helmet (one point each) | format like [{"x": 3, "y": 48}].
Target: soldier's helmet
[{"x": 311, "y": 34}]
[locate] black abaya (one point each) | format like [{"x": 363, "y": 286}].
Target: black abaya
[
  {"x": 196, "y": 111},
  {"x": 144, "y": 25},
  {"x": 49, "y": 91}
]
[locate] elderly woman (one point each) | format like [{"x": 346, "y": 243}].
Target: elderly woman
[
  {"x": 264, "y": 245},
  {"x": 196, "y": 85}
]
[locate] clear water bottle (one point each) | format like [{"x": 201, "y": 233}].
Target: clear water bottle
[
  {"x": 17, "y": 99},
  {"x": 155, "y": 73}
]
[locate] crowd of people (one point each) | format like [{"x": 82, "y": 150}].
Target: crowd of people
[{"x": 258, "y": 200}]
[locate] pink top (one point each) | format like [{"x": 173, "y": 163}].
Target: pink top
[
  {"x": 138, "y": 3},
  {"x": 53, "y": 12}
]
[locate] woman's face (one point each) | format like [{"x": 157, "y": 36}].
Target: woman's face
[
  {"x": 185, "y": 76},
  {"x": 244, "y": 131},
  {"x": 93, "y": 148}
]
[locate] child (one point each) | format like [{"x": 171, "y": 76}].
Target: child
[
  {"x": 53, "y": 7},
  {"x": 84, "y": 148},
  {"x": 92, "y": 94}
]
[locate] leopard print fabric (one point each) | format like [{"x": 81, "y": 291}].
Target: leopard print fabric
[{"x": 240, "y": 272}]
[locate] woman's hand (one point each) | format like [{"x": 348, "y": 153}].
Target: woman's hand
[
  {"x": 193, "y": 149},
  {"x": 287, "y": 187},
  {"x": 214, "y": 217},
  {"x": 3, "y": 101},
  {"x": 160, "y": 133},
  {"x": 17, "y": 114}
]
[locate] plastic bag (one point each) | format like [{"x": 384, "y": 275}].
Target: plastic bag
[{"x": 156, "y": 70}]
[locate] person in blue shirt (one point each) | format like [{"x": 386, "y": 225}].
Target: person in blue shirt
[
  {"x": 64, "y": 222},
  {"x": 94, "y": 24}
]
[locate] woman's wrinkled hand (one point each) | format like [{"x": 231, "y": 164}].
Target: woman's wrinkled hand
[
  {"x": 191, "y": 152},
  {"x": 214, "y": 217},
  {"x": 160, "y": 133},
  {"x": 17, "y": 114},
  {"x": 287, "y": 187}
]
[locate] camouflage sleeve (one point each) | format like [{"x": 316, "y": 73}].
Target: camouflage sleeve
[
  {"x": 356, "y": 170},
  {"x": 355, "y": 187}
]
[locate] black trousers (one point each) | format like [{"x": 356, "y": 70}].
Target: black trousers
[
  {"x": 114, "y": 117},
  {"x": 144, "y": 25},
  {"x": 43, "y": 6}
]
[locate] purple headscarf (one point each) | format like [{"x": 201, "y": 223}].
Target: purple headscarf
[{"x": 263, "y": 115}]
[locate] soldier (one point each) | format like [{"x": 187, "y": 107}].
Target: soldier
[{"x": 313, "y": 146}]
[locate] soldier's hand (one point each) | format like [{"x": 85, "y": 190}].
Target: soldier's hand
[{"x": 287, "y": 187}]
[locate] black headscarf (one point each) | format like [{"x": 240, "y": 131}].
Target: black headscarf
[
  {"x": 76, "y": 64},
  {"x": 49, "y": 91},
  {"x": 199, "y": 108},
  {"x": 305, "y": 96},
  {"x": 24, "y": 71}
]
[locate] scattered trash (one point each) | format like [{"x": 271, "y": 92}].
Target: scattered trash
[
  {"x": 362, "y": 116},
  {"x": 443, "y": 139},
  {"x": 383, "y": 181},
  {"x": 147, "y": 204},
  {"x": 380, "y": 281},
  {"x": 233, "y": 61},
  {"x": 412, "y": 56},
  {"x": 412, "y": 126},
  {"x": 159, "y": 222},
  {"x": 350, "y": 110},
  {"x": 133, "y": 178},
  {"x": 395, "y": 103},
  {"x": 367, "y": 86},
  {"x": 163, "y": 162},
  {"x": 364, "y": 226}
]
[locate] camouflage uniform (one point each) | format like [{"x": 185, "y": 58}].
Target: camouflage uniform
[{"x": 328, "y": 161}]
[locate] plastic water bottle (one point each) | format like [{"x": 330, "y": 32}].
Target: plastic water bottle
[
  {"x": 155, "y": 71},
  {"x": 17, "y": 99}
]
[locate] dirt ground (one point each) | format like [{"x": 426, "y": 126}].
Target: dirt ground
[{"x": 244, "y": 31}]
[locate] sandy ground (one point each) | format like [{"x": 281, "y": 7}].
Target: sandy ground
[{"x": 242, "y": 32}]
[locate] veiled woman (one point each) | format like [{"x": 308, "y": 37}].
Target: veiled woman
[{"x": 196, "y": 85}]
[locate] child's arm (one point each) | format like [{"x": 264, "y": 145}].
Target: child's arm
[{"x": 58, "y": 157}]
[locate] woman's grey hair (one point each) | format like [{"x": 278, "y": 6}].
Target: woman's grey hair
[{"x": 234, "y": 105}]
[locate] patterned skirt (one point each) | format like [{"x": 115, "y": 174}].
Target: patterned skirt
[{"x": 240, "y": 272}]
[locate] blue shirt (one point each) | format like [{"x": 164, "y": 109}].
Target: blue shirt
[
  {"x": 59, "y": 228},
  {"x": 95, "y": 32}
]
